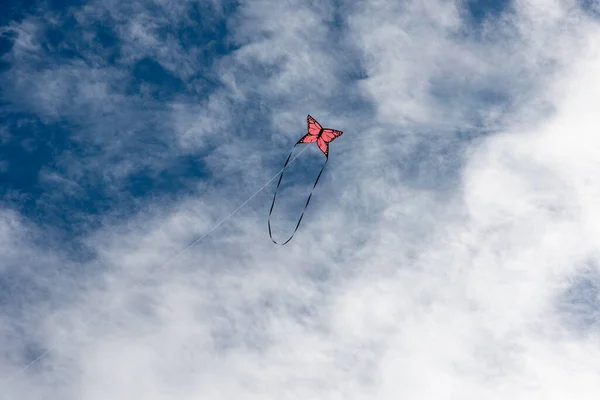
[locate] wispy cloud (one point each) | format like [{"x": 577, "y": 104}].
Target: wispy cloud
[{"x": 449, "y": 252}]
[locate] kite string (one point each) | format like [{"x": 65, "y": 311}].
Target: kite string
[
  {"x": 153, "y": 273},
  {"x": 307, "y": 200}
]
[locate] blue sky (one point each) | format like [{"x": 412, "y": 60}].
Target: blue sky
[{"x": 461, "y": 199}]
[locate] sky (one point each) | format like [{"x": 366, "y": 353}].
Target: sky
[{"x": 450, "y": 250}]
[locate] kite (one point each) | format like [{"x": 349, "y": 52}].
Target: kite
[{"x": 322, "y": 136}]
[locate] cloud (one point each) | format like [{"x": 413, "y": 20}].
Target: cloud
[{"x": 452, "y": 239}]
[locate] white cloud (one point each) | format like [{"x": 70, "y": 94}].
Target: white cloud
[{"x": 392, "y": 288}]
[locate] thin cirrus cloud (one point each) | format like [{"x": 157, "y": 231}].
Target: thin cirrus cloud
[{"x": 452, "y": 239}]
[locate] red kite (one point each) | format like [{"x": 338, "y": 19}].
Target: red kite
[{"x": 316, "y": 133}]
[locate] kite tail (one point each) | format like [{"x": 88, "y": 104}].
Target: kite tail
[{"x": 307, "y": 200}]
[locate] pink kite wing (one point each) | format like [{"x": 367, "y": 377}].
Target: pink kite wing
[
  {"x": 329, "y": 134},
  {"x": 308, "y": 138},
  {"x": 314, "y": 128},
  {"x": 323, "y": 145}
]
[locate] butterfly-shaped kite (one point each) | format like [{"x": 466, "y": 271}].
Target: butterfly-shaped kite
[{"x": 316, "y": 133}]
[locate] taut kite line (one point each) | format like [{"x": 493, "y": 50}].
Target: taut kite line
[{"x": 316, "y": 133}]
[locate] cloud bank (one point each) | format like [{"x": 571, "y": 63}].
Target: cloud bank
[{"x": 450, "y": 250}]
